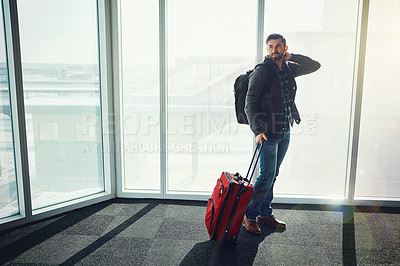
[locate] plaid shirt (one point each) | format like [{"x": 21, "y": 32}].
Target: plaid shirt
[{"x": 283, "y": 80}]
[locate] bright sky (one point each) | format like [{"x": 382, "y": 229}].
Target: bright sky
[{"x": 58, "y": 31}]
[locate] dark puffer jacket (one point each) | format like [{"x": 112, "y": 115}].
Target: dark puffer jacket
[{"x": 264, "y": 103}]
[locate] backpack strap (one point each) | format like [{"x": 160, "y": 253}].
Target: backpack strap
[{"x": 270, "y": 73}]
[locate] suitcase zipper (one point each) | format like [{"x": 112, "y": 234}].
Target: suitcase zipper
[
  {"x": 215, "y": 235},
  {"x": 212, "y": 212},
  {"x": 221, "y": 188},
  {"x": 234, "y": 207},
  {"x": 228, "y": 175}
]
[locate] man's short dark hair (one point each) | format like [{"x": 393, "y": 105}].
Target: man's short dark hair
[{"x": 275, "y": 36}]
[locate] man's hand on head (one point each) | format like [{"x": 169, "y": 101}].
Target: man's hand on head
[{"x": 288, "y": 56}]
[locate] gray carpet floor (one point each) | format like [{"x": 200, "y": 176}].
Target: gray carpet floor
[{"x": 165, "y": 232}]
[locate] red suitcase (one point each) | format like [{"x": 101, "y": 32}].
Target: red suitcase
[{"x": 228, "y": 203}]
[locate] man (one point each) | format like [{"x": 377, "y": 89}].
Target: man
[{"x": 270, "y": 109}]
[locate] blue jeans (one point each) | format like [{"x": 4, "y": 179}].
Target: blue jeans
[{"x": 271, "y": 157}]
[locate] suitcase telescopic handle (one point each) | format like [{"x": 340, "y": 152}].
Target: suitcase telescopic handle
[{"x": 255, "y": 162}]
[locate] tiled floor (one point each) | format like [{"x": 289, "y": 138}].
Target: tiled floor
[{"x": 155, "y": 232}]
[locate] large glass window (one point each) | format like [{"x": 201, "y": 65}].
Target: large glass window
[
  {"x": 209, "y": 44},
  {"x": 59, "y": 47},
  {"x": 316, "y": 162},
  {"x": 140, "y": 94},
  {"x": 379, "y": 147},
  {"x": 8, "y": 184}
]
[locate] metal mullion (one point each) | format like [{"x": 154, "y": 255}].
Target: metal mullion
[
  {"x": 163, "y": 95},
  {"x": 108, "y": 120},
  {"x": 115, "y": 9},
  {"x": 116, "y": 32},
  {"x": 259, "y": 54},
  {"x": 17, "y": 107},
  {"x": 362, "y": 29},
  {"x": 260, "y": 31}
]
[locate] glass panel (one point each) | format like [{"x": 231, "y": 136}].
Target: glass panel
[
  {"x": 59, "y": 46},
  {"x": 209, "y": 44},
  {"x": 140, "y": 93},
  {"x": 379, "y": 147},
  {"x": 315, "y": 164},
  {"x": 8, "y": 183}
]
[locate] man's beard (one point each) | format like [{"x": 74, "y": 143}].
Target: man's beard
[{"x": 277, "y": 58}]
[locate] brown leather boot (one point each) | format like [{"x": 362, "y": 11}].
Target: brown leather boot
[
  {"x": 271, "y": 221},
  {"x": 251, "y": 226}
]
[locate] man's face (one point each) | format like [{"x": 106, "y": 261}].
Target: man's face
[{"x": 275, "y": 49}]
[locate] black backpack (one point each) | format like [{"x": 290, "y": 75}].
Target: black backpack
[{"x": 240, "y": 90}]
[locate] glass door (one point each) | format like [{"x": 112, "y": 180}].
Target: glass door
[
  {"x": 379, "y": 147},
  {"x": 140, "y": 96},
  {"x": 9, "y": 204},
  {"x": 315, "y": 165},
  {"x": 60, "y": 65},
  {"x": 209, "y": 44}
]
